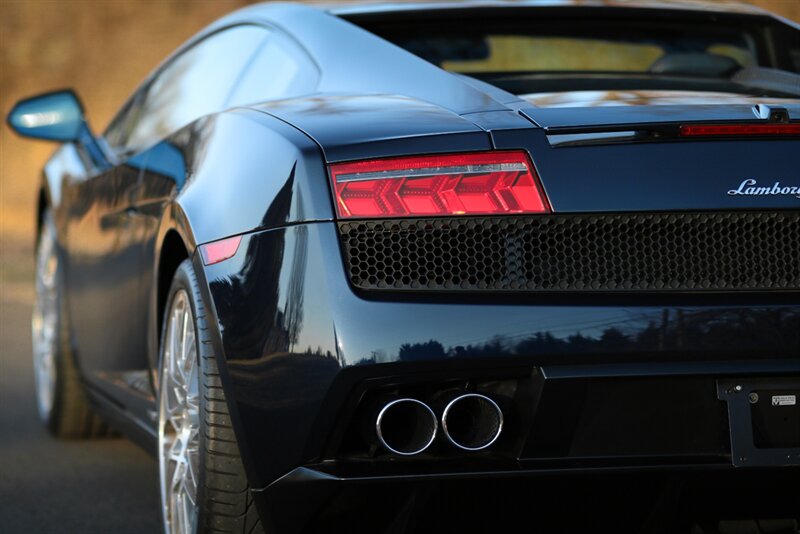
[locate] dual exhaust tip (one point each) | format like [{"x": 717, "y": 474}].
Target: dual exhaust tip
[{"x": 471, "y": 422}]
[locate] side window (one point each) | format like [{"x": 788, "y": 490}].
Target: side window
[
  {"x": 118, "y": 131},
  {"x": 786, "y": 42},
  {"x": 196, "y": 83},
  {"x": 280, "y": 69}
]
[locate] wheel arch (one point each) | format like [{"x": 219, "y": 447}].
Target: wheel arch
[
  {"x": 174, "y": 244},
  {"x": 41, "y": 206},
  {"x": 173, "y": 253},
  {"x": 43, "y": 203}
]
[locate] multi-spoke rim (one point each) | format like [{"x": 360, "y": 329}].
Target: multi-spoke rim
[
  {"x": 179, "y": 419},
  {"x": 44, "y": 322}
]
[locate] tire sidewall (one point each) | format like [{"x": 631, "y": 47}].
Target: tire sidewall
[
  {"x": 184, "y": 279},
  {"x": 224, "y": 501},
  {"x": 61, "y": 346}
]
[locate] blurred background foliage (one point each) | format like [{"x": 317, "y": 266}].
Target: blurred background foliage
[{"x": 103, "y": 49}]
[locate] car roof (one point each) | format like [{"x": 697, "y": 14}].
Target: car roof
[
  {"x": 370, "y": 7},
  {"x": 329, "y": 38},
  {"x": 291, "y": 15}
]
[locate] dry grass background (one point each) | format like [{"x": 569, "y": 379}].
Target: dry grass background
[{"x": 102, "y": 48}]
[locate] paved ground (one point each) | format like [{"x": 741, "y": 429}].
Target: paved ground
[{"x": 52, "y": 486}]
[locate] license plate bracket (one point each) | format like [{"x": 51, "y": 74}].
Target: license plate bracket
[{"x": 764, "y": 418}]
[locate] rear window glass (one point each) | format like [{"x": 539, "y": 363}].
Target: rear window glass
[
  {"x": 549, "y": 50},
  {"x": 519, "y": 52},
  {"x": 625, "y": 52}
]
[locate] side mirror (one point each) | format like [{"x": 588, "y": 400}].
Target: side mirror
[{"x": 56, "y": 116}]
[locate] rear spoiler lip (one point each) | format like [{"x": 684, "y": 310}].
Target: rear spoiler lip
[{"x": 649, "y": 117}]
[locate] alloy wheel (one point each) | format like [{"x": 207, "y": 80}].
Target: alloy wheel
[
  {"x": 179, "y": 419},
  {"x": 44, "y": 323}
]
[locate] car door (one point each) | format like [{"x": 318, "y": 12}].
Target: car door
[
  {"x": 111, "y": 234},
  {"x": 102, "y": 263}
]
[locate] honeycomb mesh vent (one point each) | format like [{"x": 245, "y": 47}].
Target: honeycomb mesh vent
[{"x": 715, "y": 251}]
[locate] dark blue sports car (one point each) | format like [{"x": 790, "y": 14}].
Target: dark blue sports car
[{"x": 439, "y": 268}]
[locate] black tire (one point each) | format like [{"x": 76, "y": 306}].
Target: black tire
[
  {"x": 70, "y": 414},
  {"x": 225, "y": 503}
]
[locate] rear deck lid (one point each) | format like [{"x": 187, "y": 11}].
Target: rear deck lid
[{"x": 601, "y": 153}]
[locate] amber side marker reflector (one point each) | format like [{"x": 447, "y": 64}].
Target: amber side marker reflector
[
  {"x": 739, "y": 129},
  {"x": 482, "y": 183},
  {"x": 221, "y": 250}
]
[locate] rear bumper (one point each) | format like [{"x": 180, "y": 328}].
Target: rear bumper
[
  {"x": 612, "y": 382},
  {"x": 654, "y": 501}
]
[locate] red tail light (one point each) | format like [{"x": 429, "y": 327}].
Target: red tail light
[
  {"x": 740, "y": 129},
  {"x": 486, "y": 183}
]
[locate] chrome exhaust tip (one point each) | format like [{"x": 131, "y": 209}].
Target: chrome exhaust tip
[
  {"x": 472, "y": 422},
  {"x": 406, "y": 426}
]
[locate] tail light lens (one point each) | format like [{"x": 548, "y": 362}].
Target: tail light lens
[{"x": 486, "y": 183}]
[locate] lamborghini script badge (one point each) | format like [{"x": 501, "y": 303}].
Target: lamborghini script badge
[{"x": 750, "y": 187}]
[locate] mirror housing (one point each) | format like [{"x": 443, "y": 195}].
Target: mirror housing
[{"x": 56, "y": 116}]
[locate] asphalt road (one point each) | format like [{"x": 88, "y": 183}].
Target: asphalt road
[{"x": 55, "y": 486}]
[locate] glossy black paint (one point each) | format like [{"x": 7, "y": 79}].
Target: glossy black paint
[
  {"x": 103, "y": 268},
  {"x": 284, "y": 354},
  {"x": 598, "y": 117},
  {"x": 298, "y": 345},
  {"x": 307, "y": 501},
  {"x": 670, "y": 175},
  {"x": 379, "y": 126}
]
